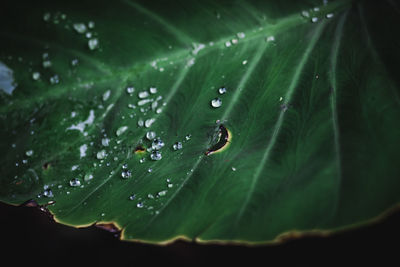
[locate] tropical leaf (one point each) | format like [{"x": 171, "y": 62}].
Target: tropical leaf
[{"x": 275, "y": 116}]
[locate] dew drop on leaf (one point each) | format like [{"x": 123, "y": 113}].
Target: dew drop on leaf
[
  {"x": 156, "y": 155},
  {"x": 143, "y": 94},
  {"x": 74, "y": 182},
  {"x": 177, "y": 146},
  {"x": 216, "y": 102},
  {"x": 157, "y": 144},
  {"x": 101, "y": 154},
  {"x": 35, "y": 76},
  {"x": 139, "y": 205},
  {"x": 29, "y": 153},
  {"x": 126, "y": 174},
  {"x": 93, "y": 43},
  {"x": 121, "y": 130},
  {"x": 79, "y": 27},
  {"x": 150, "y": 135},
  {"x": 153, "y": 90},
  {"x": 222, "y": 90}
]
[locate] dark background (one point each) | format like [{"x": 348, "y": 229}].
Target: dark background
[{"x": 29, "y": 236}]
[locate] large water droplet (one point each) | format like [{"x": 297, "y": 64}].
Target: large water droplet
[
  {"x": 216, "y": 102},
  {"x": 121, "y": 130},
  {"x": 177, "y": 146},
  {"x": 156, "y": 155},
  {"x": 143, "y": 94},
  {"x": 126, "y": 174},
  {"x": 149, "y": 122},
  {"x": 150, "y": 135},
  {"x": 157, "y": 144},
  {"x": 79, "y": 27},
  {"x": 153, "y": 90},
  {"x": 74, "y": 182},
  {"x": 143, "y": 102},
  {"x": 93, "y": 43}
]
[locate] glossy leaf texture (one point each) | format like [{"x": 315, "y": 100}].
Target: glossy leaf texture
[{"x": 311, "y": 109}]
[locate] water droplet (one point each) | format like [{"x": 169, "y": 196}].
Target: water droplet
[
  {"x": 29, "y": 153},
  {"x": 132, "y": 197},
  {"x": 90, "y": 24},
  {"x": 241, "y": 35},
  {"x": 222, "y": 90},
  {"x": 24, "y": 161},
  {"x": 270, "y": 38},
  {"x": 329, "y": 15},
  {"x": 216, "y": 102},
  {"x": 46, "y": 16},
  {"x": 150, "y": 135},
  {"x": 121, "y": 130},
  {"x": 244, "y": 62},
  {"x": 143, "y": 102},
  {"x": 187, "y": 137},
  {"x": 46, "y": 64},
  {"x": 105, "y": 142},
  {"x": 156, "y": 155},
  {"x": 157, "y": 144},
  {"x": 139, "y": 205},
  {"x": 88, "y": 177},
  {"x": 130, "y": 90},
  {"x": 140, "y": 123},
  {"x": 316, "y": 9},
  {"x": 142, "y": 160},
  {"x": 125, "y": 166},
  {"x": 149, "y": 122},
  {"x": 162, "y": 193},
  {"x": 149, "y": 170},
  {"x": 75, "y": 167},
  {"x": 150, "y": 196},
  {"x": 159, "y": 110},
  {"x": 126, "y": 174},
  {"x": 106, "y": 95},
  {"x": 233, "y": 169},
  {"x": 153, "y": 90},
  {"x": 47, "y": 191},
  {"x": 54, "y": 79},
  {"x": 74, "y": 62},
  {"x": 154, "y": 105},
  {"x": 170, "y": 185},
  {"x": 93, "y": 43},
  {"x": 228, "y": 43},
  {"x": 35, "y": 76},
  {"x": 143, "y": 94},
  {"x": 101, "y": 154},
  {"x": 177, "y": 146},
  {"x": 314, "y": 19},
  {"x": 234, "y": 41},
  {"x": 79, "y": 27},
  {"x": 7, "y": 83},
  {"x": 305, "y": 14},
  {"x": 74, "y": 182}
]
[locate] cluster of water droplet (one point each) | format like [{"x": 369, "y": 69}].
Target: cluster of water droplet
[
  {"x": 235, "y": 40},
  {"x": 217, "y": 102},
  {"x": 315, "y": 14}
]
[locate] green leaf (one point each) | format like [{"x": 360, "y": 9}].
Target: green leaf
[{"x": 306, "y": 137}]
